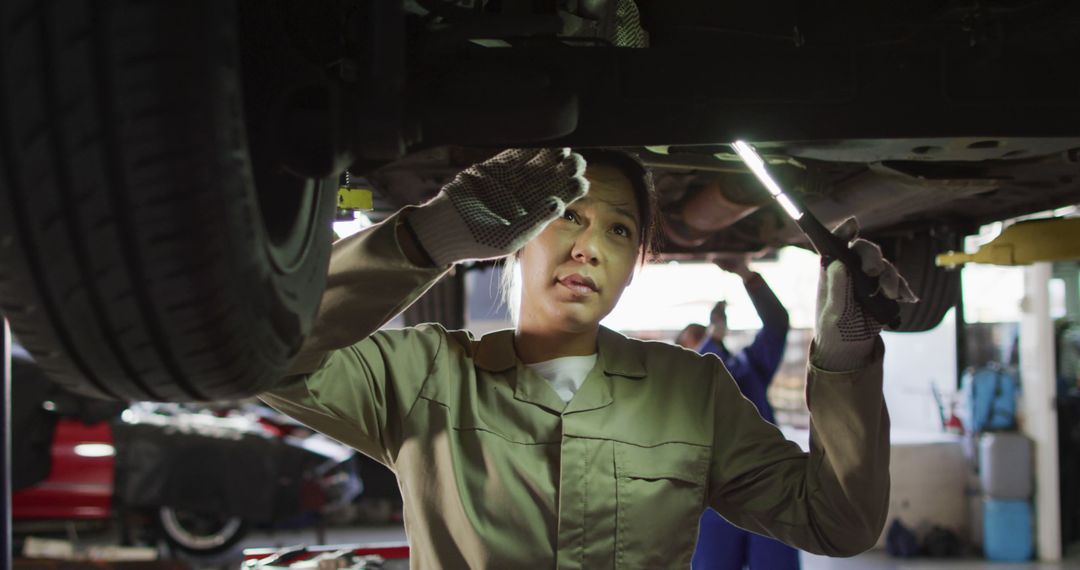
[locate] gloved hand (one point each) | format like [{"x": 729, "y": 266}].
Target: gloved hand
[
  {"x": 845, "y": 335},
  {"x": 736, "y": 265},
  {"x": 493, "y": 208}
]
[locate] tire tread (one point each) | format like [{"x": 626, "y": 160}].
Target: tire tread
[
  {"x": 938, "y": 289},
  {"x": 122, "y": 281}
]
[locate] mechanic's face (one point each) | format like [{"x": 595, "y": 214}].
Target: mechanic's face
[{"x": 574, "y": 272}]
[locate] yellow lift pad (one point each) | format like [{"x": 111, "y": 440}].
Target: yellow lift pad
[
  {"x": 354, "y": 199},
  {"x": 1054, "y": 239}
]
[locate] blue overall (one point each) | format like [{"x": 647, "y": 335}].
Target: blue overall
[{"x": 720, "y": 544}]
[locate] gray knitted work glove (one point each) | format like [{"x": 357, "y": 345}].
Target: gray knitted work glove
[
  {"x": 491, "y": 209},
  {"x": 845, "y": 334}
]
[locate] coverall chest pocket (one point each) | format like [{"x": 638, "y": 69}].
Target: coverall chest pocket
[{"x": 660, "y": 495}]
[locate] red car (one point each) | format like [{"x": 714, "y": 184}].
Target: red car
[
  {"x": 80, "y": 483},
  {"x": 79, "y": 459}
]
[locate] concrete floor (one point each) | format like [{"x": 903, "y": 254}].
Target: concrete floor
[
  {"x": 874, "y": 560},
  {"x": 878, "y": 560}
]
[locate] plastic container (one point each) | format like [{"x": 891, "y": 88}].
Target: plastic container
[
  {"x": 1007, "y": 530},
  {"x": 1005, "y": 465}
]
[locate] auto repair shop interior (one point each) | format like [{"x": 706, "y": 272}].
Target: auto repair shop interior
[{"x": 195, "y": 196}]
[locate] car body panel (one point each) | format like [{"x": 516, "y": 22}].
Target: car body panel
[{"x": 78, "y": 486}]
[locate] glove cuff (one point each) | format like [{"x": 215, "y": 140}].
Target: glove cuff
[
  {"x": 442, "y": 233},
  {"x": 842, "y": 356}
]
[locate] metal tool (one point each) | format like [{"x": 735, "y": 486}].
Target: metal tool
[{"x": 867, "y": 289}]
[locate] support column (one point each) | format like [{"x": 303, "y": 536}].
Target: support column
[
  {"x": 5, "y": 444},
  {"x": 1069, "y": 272},
  {"x": 1039, "y": 387}
]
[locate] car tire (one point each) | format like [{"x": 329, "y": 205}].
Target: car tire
[
  {"x": 138, "y": 258},
  {"x": 198, "y": 533},
  {"x": 938, "y": 289}
]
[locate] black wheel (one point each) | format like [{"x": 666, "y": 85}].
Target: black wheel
[
  {"x": 938, "y": 289},
  {"x": 200, "y": 533},
  {"x": 138, "y": 258}
]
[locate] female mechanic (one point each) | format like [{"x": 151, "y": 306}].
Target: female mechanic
[{"x": 561, "y": 443}]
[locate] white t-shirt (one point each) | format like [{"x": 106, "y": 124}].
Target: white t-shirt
[{"x": 565, "y": 375}]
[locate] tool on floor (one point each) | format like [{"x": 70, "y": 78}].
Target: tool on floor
[{"x": 828, "y": 246}]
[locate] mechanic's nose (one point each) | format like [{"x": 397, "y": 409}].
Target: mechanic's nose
[{"x": 587, "y": 248}]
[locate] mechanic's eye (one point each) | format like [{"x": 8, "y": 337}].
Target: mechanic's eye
[
  {"x": 570, "y": 215},
  {"x": 621, "y": 230}
]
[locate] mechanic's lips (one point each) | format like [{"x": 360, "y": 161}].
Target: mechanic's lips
[{"x": 579, "y": 284}]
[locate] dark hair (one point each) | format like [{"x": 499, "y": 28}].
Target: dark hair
[
  {"x": 696, "y": 329},
  {"x": 641, "y": 181}
]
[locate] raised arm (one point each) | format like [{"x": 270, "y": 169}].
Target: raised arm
[
  {"x": 832, "y": 501},
  {"x": 774, "y": 317},
  {"x": 348, "y": 381},
  {"x": 356, "y": 384},
  {"x": 373, "y": 275},
  {"x": 488, "y": 211},
  {"x": 835, "y": 499},
  {"x": 766, "y": 352}
]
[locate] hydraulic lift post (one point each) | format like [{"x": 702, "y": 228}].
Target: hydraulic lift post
[{"x": 5, "y": 445}]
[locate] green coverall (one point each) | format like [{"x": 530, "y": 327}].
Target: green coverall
[{"x": 497, "y": 472}]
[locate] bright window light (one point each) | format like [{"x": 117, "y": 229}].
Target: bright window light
[
  {"x": 94, "y": 450},
  {"x": 346, "y": 228},
  {"x": 669, "y": 296},
  {"x": 992, "y": 293}
]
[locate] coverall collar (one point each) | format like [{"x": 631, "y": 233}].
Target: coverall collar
[
  {"x": 619, "y": 355},
  {"x": 495, "y": 353},
  {"x": 615, "y": 357}
]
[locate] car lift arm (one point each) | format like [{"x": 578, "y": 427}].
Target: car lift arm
[{"x": 1023, "y": 243}]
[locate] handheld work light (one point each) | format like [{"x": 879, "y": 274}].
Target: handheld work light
[{"x": 830, "y": 247}]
